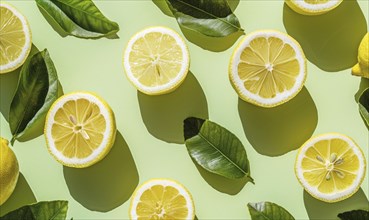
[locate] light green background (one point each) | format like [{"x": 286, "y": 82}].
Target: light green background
[{"x": 147, "y": 124}]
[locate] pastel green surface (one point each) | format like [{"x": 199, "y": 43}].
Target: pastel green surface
[{"x": 149, "y": 143}]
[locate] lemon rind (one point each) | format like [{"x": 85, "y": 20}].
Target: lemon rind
[
  {"x": 164, "y": 182},
  {"x": 305, "y": 8},
  {"x": 174, "y": 83},
  {"x": 335, "y": 196},
  {"x": 15, "y": 64},
  {"x": 281, "y": 98},
  {"x": 109, "y": 135}
]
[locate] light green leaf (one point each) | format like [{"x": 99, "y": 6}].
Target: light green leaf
[
  {"x": 37, "y": 90},
  {"x": 79, "y": 18},
  {"x": 54, "y": 210},
  {"x": 215, "y": 148},
  {"x": 213, "y": 18},
  {"x": 268, "y": 211},
  {"x": 354, "y": 215},
  {"x": 364, "y": 106}
]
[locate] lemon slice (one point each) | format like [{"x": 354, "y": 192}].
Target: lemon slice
[
  {"x": 156, "y": 60},
  {"x": 162, "y": 199},
  {"x": 80, "y": 129},
  {"x": 313, "y": 7},
  {"x": 15, "y": 38},
  {"x": 331, "y": 167},
  {"x": 267, "y": 68}
]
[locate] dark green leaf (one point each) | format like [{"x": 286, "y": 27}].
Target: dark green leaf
[
  {"x": 54, "y": 210},
  {"x": 215, "y": 148},
  {"x": 268, "y": 211},
  {"x": 364, "y": 105},
  {"x": 354, "y": 215},
  {"x": 213, "y": 18},
  {"x": 80, "y": 18},
  {"x": 37, "y": 90}
]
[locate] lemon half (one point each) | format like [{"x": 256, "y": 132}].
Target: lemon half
[
  {"x": 15, "y": 38},
  {"x": 313, "y": 7},
  {"x": 80, "y": 129},
  {"x": 331, "y": 167},
  {"x": 161, "y": 199},
  {"x": 156, "y": 60},
  {"x": 267, "y": 68}
]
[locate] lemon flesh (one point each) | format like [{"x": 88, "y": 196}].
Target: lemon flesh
[
  {"x": 362, "y": 67},
  {"x": 156, "y": 60},
  {"x": 330, "y": 167},
  {"x": 15, "y": 38},
  {"x": 9, "y": 171},
  {"x": 268, "y": 68},
  {"x": 313, "y": 7},
  {"x": 161, "y": 199},
  {"x": 80, "y": 129}
]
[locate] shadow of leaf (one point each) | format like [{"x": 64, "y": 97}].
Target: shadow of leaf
[
  {"x": 325, "y": 38},
  {"x": 276, "y": 131},
  {"x": 317, "y": 209},
  {"x": 107, "y": 184},
  {"x": 21, "y": 196},
  {"x": 222, "y": 184},
  {"x": 163, "y": 115}
]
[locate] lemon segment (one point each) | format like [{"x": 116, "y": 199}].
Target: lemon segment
[
  {"x": 156, "y": 60},
  {"x": 80, "y": 129},
  {"x": 15, "y": 38},
  {"x": 267, "y": 68},
  {"x": 362, "y": 67},
  {"x": 9, "y": 171},
  {"x": 331, "y": 167},
  {"x": 313, "y": 7},
  {"x": 161, "y": 199}
]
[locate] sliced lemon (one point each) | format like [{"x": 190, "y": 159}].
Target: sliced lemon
[
  {"x": 156, "y": 60},
  {"x": 331, "y": 167},
  {"x": 162, "y": 199},
  {"x": 267, "y": 68},
  {"x": 15, "y": 38},
  {"x": 80, "y": 129},
  {"x": 313, "y": 7}
]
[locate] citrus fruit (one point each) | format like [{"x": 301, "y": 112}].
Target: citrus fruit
[
  {"x": 267, "y": 68},
  {"x": 79, "y": 129},
  {"x": 313, "y": 7},
  {"x": 15, "y": 38},
  {"x": 331, "y": 167},
  {"x": 156, "y": 60},
  {"x": 9, "y": 170},
  {"x": 362, "y": 67},
  {"x": 161, "y": 199}
]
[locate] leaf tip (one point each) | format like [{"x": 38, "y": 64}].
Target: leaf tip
[{"x": 192, "y": 126}]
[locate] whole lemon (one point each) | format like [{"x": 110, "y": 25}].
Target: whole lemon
[
  {"x": 362, "y": 67},
  {"x": 9, "y": 170}
]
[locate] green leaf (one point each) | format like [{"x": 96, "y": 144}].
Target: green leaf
[
  {"x": 364, "y": 105},
  {"x": 215, "y": 148},
  {"x": 79, "y": 18},
  {"x": 268, "y": 211},
  {"x": 354, "y": 215},
  {"x": 37, "y": 90},
  {"x": 213, "y": 18},
  {"x": 54, "y": 210}
]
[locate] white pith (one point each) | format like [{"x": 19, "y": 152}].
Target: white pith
[
  {"x": 185, "y": 62},
  {"x": 316, "y": 7},
  {"x": 25, "y": 50},
  {"x": 280, "y": 97},
  {"x": 107, "y": 134},
  {"x": 163, "y": 182},
  {"x": 336, "y": 195}
]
